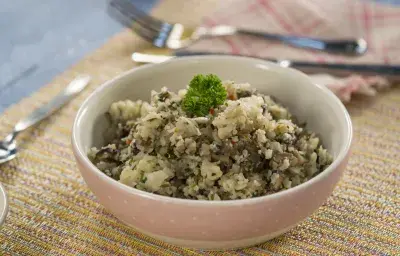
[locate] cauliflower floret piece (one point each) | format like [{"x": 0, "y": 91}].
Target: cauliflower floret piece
[
  {"x": 187, "y": 127},
  {"x": 125, "y": 110},
  {"x": 154, "y": 180},
  {"x": 210, "y": 170}
]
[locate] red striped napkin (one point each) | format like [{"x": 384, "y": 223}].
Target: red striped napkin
[{"x": 377, "y": 23}]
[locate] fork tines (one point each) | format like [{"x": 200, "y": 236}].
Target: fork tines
[{"x": 150, "y": 28}]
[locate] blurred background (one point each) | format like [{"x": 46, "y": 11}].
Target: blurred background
[{"x": 40, "y": 39}]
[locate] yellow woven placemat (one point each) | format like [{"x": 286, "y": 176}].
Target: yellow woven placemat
[{"x": 52, "y": 212}]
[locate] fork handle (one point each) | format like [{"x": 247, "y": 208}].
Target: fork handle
[{"x": 347, "y": 47}]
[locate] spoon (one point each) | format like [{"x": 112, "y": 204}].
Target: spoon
[{"x": 8, "y": 146}]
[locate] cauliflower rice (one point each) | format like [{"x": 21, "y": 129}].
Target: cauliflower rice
[{"x": 248, "y": 147}]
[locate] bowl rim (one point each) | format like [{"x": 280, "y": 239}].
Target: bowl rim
[
  {"x": 345, "y": 150},
  {"x": 4, "y": 209}
]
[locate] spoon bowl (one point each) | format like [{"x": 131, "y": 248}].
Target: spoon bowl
[{"x": 7, "y": 154}]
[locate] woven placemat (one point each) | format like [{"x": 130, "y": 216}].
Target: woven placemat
[{"x": 52, "y": 211}]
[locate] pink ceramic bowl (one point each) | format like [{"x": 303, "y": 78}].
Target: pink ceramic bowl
[{"x": 223, "y": 224}]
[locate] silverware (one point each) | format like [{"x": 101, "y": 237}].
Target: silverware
[
  {"x": 8, "y": 146},
  {"x": 175, "y": 36},
  {"x": 307, "y": 67}
]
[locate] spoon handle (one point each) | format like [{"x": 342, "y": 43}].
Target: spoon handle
[{"x": 75, "y": 87}]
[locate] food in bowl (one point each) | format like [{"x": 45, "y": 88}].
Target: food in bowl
[
  {"x": 213, "y": 140},
  {"x": 225, "y": 224}
]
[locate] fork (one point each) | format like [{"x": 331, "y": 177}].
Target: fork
[{"x": 176, "y": 36}]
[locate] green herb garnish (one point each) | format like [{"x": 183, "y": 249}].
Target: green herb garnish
[
  {"x": 204, "y": 93},
  {"x": 143, "y": 178}
]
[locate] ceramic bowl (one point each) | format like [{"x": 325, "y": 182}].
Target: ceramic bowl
[
  {"x": 3, "y": 205},
  {"x": 216, "y": 224}
]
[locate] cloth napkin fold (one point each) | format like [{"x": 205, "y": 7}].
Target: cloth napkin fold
[{"x": 376, "y": 23}]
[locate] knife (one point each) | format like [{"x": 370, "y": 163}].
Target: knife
[{"x": 341, "y": 69}]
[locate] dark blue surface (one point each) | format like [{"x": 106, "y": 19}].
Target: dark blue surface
[{"x": 40, "y": 39}]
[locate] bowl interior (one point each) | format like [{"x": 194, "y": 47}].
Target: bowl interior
[{"x": 313, "y": 104}]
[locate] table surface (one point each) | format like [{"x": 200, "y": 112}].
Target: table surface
[{"x": 45, "y": 37}]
